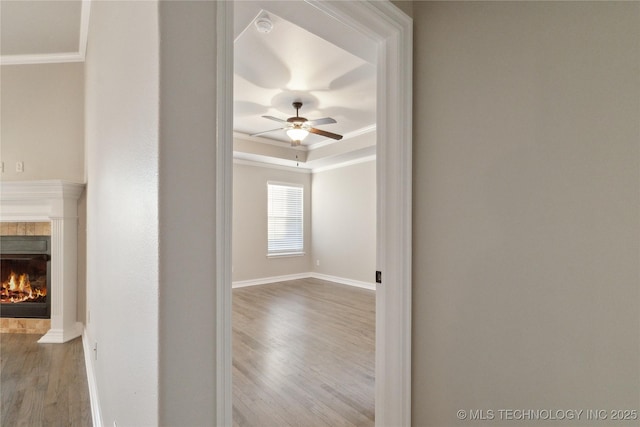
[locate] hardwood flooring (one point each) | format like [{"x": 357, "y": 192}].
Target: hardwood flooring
[
  {"x": 42, "y": 384},
  {"x": 303, "y": 355}
]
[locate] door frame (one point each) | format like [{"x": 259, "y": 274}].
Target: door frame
[{"x": 392, "y": 31}]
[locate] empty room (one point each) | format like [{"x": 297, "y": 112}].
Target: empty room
[{"x": 304, "y": 219}]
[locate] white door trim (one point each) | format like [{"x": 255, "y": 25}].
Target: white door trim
[
  {"x": 392, "y": 30},
  {"x": 224, "y": 208}
]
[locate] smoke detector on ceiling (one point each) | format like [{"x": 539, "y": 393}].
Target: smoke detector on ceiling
[{"x": 264, "y": 24}]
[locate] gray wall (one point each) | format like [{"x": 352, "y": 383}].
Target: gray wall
[
  {"x": 344, "y": 222},
  {"x": 250, "y": 223},
  {"x": 526, "y": 208},
  {"x": 187, "y": 214},
  {"x": 340, "y": 223},
  {"x": 43, "y": 121}
]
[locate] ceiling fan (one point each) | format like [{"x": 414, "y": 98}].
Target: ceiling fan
[{"x": 298, "y": 128}]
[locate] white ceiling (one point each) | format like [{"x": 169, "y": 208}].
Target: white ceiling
[
  {"x": 292, "y": 64},
  {"x": 308, "y": 56},
  {"x": 33, "y": 31}
]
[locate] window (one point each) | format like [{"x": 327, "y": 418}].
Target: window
[{"x": 285, "y": 220}]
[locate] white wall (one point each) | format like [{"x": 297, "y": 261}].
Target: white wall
[
  {"x": 526, "y": 208},
  {"x": 344, "y": 222},
  {"x": 250, "y": 223},
  {"x": 42, "y": 121},
  {"x": 122, "y": 99},
  {"x": 151, "y": 211}
]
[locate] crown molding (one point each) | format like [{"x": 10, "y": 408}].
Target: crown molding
[
  {"x": 345, "y": 164},
  {"x": 255, "y": 163},
  {"x": 303, "y": 169},
  {"x": 58, "y": 57},
  {"x": 35, "y": 190},
  {"x": 268, "y": 141},
  {"x": 348, "y": 135},
  {"x": 44, "y": 58},
  {"x": 85, "y": 14}
]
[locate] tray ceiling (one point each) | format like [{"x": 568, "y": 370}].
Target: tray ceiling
[
  {"x": 309, "y": 57},
  {"x": 292, "y": 64}
]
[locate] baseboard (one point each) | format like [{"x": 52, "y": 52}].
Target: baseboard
[
  {"x": 275, "y": 279},
  {"x": 267, "y": 280},
  {"x": 343, "y": 281},
  {"x": 96, "y": 415}
]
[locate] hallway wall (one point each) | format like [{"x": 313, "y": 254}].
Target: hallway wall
[{"x": 526, "y": 208}]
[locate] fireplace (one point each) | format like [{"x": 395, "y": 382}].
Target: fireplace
[
  {"x": 56, "y": 203},
  {"x": 25, "y": 275}
]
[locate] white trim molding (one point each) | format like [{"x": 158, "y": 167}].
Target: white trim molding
[
  {"x": 365, "y": 159},
  {"x": 245, "y": 162},
  {"x": 392, "y": 32},
  {"x": 268, "y": 141},
  {"x": 89, "y": 352},
  {"x": 43, "y": 58},
  {"x": 306, "y": 275},
  {"x": 224, "y": 203},
  {"x": 362, "y": 131},
  {"x": 343, "y": 281},
  {"x": 267, "y": 280},
  {"x": 85, "y": 15},
  {"x": 304, "y": 169}
]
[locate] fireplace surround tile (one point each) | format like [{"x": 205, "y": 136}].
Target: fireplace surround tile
[
  {"x": 24, "y": 326},
  {"x": 25, "y": 229}
]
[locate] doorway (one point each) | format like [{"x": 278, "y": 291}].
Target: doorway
[
  {"x": 392, "y": 32},
  {"x": 328, "y": 186}
]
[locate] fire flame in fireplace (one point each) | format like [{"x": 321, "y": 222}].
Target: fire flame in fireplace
[{"x": 17, "y": 288}]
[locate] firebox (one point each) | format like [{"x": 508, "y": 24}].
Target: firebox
[{"x": 25, "y": 273}]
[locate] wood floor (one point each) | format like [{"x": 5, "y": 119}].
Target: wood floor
[
  {"x": 303, "y": 355},
  {"x": 42, "y": 384}
]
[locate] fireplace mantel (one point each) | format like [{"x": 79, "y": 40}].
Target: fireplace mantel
[{"x": 57, "y": 202}]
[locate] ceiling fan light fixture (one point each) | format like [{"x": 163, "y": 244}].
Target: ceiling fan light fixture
[
  {"x": 297, "y": 128},
  {"x": 297, "y": 133}
]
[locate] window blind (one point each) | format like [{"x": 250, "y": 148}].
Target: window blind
[{"x": 285, "y": 219}]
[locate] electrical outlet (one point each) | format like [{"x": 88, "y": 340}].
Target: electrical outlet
[
  {"x": 318, "y": 262},
  {"x": 19, "y": 166}
]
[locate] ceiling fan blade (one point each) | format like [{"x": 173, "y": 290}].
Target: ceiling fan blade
[
  {"x": 274, "y": 118},
  {"x": 266, "y": 131},
  {"x": 325, "y": 133},
  {"x": 324, "y": 121}
]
